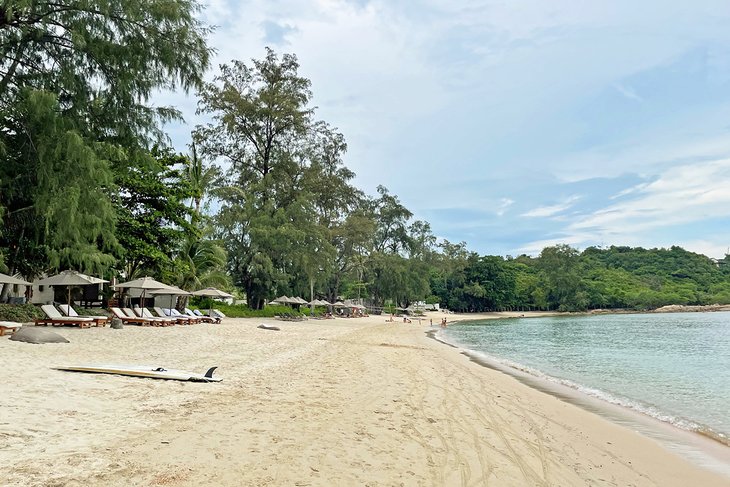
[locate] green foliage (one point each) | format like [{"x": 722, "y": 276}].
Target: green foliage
[
  {"x": 75, "y": 77},
  {"x": 243, "y": 311},
  {"x": 201, "y": 263},
  {"x": 57, "y": 190},
  {"x": 151, "y": 211},
  {"x": 20, "y": 313}
]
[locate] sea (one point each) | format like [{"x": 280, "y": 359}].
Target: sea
[{"x": 673, "y": 367}]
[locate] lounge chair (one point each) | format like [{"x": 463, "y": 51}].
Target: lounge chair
[
  {"x": 214, "y": 313},
  {"x": 70, "y": 312},
  {"x": 134, "y": 320},
  {"x": 153, "y": 321},
  {"x": 53, "y": 317},
  {"x": 9, "y": 327},
  {"x": 145, "y": 313},
  {"x": 177, "y": 314},
  {"x": 204, "y": 319},
  {"x": 186, "y": 320}
]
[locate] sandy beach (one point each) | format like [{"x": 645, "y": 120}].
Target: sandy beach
[{"x": 319, "y": 403}]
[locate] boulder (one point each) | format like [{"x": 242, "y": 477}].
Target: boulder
[
  {"x": 34, "y": 334},
  {"x": 264, "y": 326},
  {"x": 116, "y": 324}
]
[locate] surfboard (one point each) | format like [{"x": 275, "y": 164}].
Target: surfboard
[{"x": 148, "y": 371}]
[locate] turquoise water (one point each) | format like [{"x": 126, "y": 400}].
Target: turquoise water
[{"x": 674, "y": 367}]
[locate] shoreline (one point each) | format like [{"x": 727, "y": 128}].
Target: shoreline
[
  {"x": 330, "y": 402},
  {"x": 706, "y": 451}
]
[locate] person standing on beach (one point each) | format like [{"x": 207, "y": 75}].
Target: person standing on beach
[{"x": 431, "y": 320}]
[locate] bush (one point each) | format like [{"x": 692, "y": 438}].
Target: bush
[{"x": 21, "y": 313}]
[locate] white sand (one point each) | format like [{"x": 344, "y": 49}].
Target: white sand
[{"x": 334, "y": 402}]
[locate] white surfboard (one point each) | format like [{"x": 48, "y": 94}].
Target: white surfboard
[{"x": 148, "y": 371}]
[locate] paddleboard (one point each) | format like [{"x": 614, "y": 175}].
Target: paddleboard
[{"x": 148, "y": 371}]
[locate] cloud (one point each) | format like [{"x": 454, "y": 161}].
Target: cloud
[
  {"x": 681, "y": 195},
  {"x": 672, "y": 209},
  {"x": 627, "y": 92},
  {"x": 552, "y": 210},
  {"x": 275, "y": 33},
  {"x": 504, "y": 203},
  {"x": 535, "y": 247}
]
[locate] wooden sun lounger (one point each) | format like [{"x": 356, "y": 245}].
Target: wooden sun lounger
[
  {"x": 197, "y": 313},
  {"x": 183, "y": 320},
  {"x": 131, "y": 320},
  {"x": 54, "y": 318},
  {"x": 145, "y": 313},
  {"x": 152, "y": 321},
  {"x": 9, "y": 327},
  {"x": 70, "y": 312},
  {"x": 204, "y": 319},
  {"x": 176, "y": 314}
]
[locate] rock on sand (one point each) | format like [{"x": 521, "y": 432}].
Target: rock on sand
[{"x": 32, "y": 334}]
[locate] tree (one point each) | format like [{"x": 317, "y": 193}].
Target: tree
[
  {"x": 55, "y": 186},
  {"x": 391, "y": 217},
  {"x": 200, "y": 179},
  {"x": 257, "y": 110},
  {"x": 116, "y": 51},
  {"x": 201, "y": 263},
  {"x": 151, "y": 212},
  {"x": 559, "y": 268},
  {"x": 262, "y": 126},
  {"x": 75, "y": 78}
]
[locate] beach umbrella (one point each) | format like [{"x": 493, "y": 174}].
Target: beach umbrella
[
  {"x": 69, "y": 279},
  {"x": 338, "y": 304},
  {"x": 212, "y": 292},
  {"x": 281, "y": 300},
  {"x": 143, "y": 283},
  {"x": 6, "y": 279},
  {"x": 298, "y": 300},
  {"x": 170, "y": 291}
]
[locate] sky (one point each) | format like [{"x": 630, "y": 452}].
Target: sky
[{"x": 515, "y": 125}]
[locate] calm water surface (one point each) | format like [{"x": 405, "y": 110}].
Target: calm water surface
[{"x": 674, "y": 367}]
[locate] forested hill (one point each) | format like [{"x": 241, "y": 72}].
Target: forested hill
[{"x": 564, "y": 278}]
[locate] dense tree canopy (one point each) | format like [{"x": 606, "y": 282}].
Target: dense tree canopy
[{"x": 75, "y": 77}]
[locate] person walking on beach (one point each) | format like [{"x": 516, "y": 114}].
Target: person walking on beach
[{"x": 431, "y": 320}]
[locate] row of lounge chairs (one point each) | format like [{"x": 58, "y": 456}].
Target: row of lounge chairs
[
  {"x": 162, "y": 317},
  {"x": 138, "y": 316},
  {"x": 69, "y": 317}
]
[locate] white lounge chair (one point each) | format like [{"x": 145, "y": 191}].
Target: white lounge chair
[
  {"x": 145, "y": 313},
  {"x": 183, "y": 320},
  {"x": 204, "y": 319},
  {"x": 70, "y": 312},
  {"x": 135, "y": 320},
  {"x": 9, "y": 327},
  {"x": 53, "y": 317}
]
